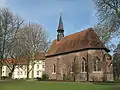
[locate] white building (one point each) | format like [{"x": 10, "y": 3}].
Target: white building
[{"x": 20, "y": 71}]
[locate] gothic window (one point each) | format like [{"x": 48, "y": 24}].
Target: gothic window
[
  {"x": 97, "y": 64},
  {"x": 84, "y": 65},
  {"x": 54, "y": 68}
]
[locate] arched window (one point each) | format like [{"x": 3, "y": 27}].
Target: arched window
[
  {"x": 84, "y": 65},
  {"x": 54, "y": 68},
  {"x": 97, "y": 64}
]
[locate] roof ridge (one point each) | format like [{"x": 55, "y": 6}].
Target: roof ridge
[
  {"x": 88, "y": 29},
  {"x": 80, "y": 32}
]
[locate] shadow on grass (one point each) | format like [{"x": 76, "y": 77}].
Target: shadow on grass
[
  {"x": 108, "y": 83},
  {"x": 113, "y": 85},
  {"x": 11, "y": 81}
]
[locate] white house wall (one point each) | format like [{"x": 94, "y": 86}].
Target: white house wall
[
  {"x": 38, "y": 69},
  {"x": 21, "y": 70},
  {"x": 5, "y": 71}
]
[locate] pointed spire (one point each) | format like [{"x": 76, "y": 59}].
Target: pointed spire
[
  {"x": 60, "y": 26},
  {"x": 60, "y": 29}
]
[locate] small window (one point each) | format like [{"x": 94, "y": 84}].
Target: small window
[
  {"x": 18, "y": 73},
  {"x": 37, "y": 72},
  {"x": 43, "y": 66},
  {"x": 37, "y": 66},
  {"x": 21, "y": 72},
  {"x": 21, "y": 66}
]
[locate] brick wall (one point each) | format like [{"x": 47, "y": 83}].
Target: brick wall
[{"x": 63, "y": 66}]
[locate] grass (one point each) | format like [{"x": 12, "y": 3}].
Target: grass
[{"x": 40, "y": 85}]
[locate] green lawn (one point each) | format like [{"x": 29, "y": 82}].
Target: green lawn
[{"x": 39, "y": 85}]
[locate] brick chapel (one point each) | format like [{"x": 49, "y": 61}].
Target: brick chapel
[{"x": 79, "y": 56}]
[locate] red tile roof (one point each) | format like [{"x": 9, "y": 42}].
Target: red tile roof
[
  {"x": 86, "y": 39},
  {"x": 18, "y": 61},
  {"x": 23, "y": 61}
]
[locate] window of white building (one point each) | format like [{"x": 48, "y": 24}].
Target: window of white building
[
  {"x": 18, "y": 73},
  {"x": 37, "y": 66},
  {"x": 21, "y": 72},
  {"x": 37, "y": 72},
  {"x": 43, "y": 66}
]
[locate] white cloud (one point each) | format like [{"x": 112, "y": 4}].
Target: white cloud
[{"x": 3, "y": 3}]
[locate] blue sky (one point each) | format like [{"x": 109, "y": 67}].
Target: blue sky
[{"x": 77, "y": 15}]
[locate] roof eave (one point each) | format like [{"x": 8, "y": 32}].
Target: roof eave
[{"x": 107, "y": 50}]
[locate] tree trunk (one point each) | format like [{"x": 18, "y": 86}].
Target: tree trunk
[
  {"x": 27, "y": 71},
  {"x": 32, "y": 71},
  {"x": 32, "y": 66},
  {"x": 11, "y": 73},
  {"x": 0, "y": 70}
]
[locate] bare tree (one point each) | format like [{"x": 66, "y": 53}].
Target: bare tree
[
  {"x": 9, "y": 23},
  {"x": 31, "y": 39},
  {"x": 103, "y": 33},
  {"x": 116, "y": 66},
  {"x": 116, "y": 62},
  {"x": 118, "y": 48},
  {"x": 108, "y": 13}
]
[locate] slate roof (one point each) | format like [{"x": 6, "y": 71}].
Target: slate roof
[
  {"x": 86, "y": 39},
  {"x": 60, "y": 26}
]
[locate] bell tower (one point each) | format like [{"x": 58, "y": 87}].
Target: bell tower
[{"x": 60, "y": 29}]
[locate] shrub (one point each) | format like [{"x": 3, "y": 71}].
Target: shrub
[
  {"x": 39, "y": 78},
  {"x": 94, "y": 78},
  {"x": 67, "y": 77},
  {"x": 45, "y": 77},
  {"x": 4, "y": 77}
]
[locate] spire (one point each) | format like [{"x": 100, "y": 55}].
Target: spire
[
  {"x": 60, "y": 29},
  {"x": 60, "y": 26}
]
